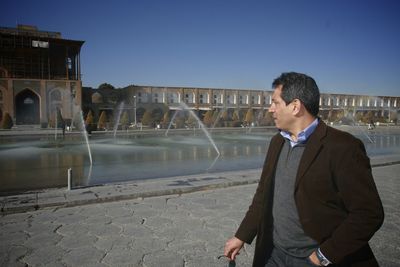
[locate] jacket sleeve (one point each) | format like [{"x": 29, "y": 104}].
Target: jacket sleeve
[
  {"x": 357, "y": 189},
  {"x": 248, "y": 228},
  {"x": 249, "y": 225}
]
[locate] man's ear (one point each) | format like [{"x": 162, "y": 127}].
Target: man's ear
[{"x": 297, "y": 106}]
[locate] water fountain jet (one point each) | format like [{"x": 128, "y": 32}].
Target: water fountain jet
[
  {"x": 85, "y": 134},
  {"x": 185, "y": 107},
  {"x": 170, "y": 123},
  {"x": 118, "y": 117}
]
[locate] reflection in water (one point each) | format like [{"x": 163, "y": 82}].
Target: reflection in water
[{"x": 28, "y": 165}]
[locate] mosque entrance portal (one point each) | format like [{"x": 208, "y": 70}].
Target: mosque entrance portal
[{"x": 27, "y": 108}]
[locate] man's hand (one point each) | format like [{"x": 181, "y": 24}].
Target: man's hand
[
  {"x": 314, "y": 259},
  {"x": 232, "y": 247}
]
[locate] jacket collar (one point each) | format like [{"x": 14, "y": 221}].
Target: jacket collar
[{"x": 313, "y": 147}]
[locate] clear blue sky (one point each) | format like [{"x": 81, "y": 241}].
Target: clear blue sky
[{"x": 348, "y": 46}]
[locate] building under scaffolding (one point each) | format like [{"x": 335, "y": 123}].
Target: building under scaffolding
[{"x": 40, "y": 73}]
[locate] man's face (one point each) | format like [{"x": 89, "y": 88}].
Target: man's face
[{"x": 281, "y": 113}]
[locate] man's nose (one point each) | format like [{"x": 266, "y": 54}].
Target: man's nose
[{"x": 271, "y": 109}]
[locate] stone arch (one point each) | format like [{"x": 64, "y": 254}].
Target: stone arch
[
  {"x": 27, "y": 107},
  {"x": 139, "y": 113},
  {"x": 157, "y": 114},
  {"x": 3, "y": 73},
  {"x": 2, "y": 95},
  {"x": 1, "y": 103},
  {"x": 55, "y": 102},
  {"x": 97, "y": 98}
]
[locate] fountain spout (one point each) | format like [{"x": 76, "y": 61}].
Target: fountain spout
[
  {"x": 86, "y": 139},
  {"x": 118, "y": 117},
  {"x": 203, "y": 128}
]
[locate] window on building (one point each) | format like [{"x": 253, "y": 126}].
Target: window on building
[
  {"x": 28, "y": 100},
  {"x": 217, "y": 99},
  {"x": 41, "y": 44},
  {"x": 240, "y": 99},
  {"x": 142, "y": 97},
  {"x": 172, "y": 98},
  {"x": 268, "y": 100},
  {"x": 155, "y": 98},
  {"x": 69, "y": 63},
  {"x": 189, "y": 98}
]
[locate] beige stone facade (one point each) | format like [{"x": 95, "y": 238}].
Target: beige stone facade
[
  {"x": 333, "y": 107},
  {"x": 39, "y": 74}
]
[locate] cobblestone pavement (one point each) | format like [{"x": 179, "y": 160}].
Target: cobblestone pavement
[{"x": 172, "y": 230}]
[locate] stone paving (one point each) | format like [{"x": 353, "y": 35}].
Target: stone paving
[{"x": 187, "y": 228}]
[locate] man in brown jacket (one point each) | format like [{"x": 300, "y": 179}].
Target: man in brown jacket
[{"x": 316, "y": 203}]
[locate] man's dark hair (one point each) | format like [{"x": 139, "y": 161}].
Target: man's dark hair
[{"x": 299, "y": 86}]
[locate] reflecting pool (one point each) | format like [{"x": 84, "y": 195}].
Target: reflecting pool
[{"x": 30, "y": 163}]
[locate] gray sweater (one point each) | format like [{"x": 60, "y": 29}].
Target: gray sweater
[{"x": 288, "y": 234}]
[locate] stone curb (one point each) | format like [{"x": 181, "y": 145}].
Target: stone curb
[
  {"x": 89, "y": 195},
  {"x": 31, "y": 201}
]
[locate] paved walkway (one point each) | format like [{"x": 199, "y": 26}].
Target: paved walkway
[{"x": 180, "y": 221}]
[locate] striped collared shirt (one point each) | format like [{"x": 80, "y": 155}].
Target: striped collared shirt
[{"x": 303, "y": 135}]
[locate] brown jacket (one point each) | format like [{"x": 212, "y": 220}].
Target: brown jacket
[{"x": 335, "y": 195}]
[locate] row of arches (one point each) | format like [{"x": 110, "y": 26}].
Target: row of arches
[{"x": 27, "y": 105}]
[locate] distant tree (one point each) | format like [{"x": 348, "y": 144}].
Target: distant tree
[
  {"x": 60, "y": 119},
  {"x": 89, "y": 122},
  {"x": 393, "y": 116},
  {"x": 157, "y": 114},
  {"x": 358, "y": 116},
  {"x": 339, "y": 116},
  {"x": 106, "y": 86},
  {"x": 7, "y": 122},
  {"x": 208, "y": 118},
  {"x": 249, "y": 119},
  {"x": 124, "y": 120},
  {"x": 235, "y": 119},
  {"x": 216, "y": 118},
  {"x": 102, "y": 124},
  {"x": 165, "y": 120},
  {"x": 52, "y": 121},
  {"x": 147, "y": 118},
  {"x": 368, "y": 117},
  {"x": 89, "y": 118},
  {"x": 191, "y": 121},
  {"x": 224, "y": 118},
  {"x": 267, "y": 120},
  {"x": 180, "y": 121},
  {"x": 235, "y": 116}
]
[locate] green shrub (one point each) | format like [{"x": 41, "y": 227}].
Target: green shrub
[
  {"x": 208, "y": 119},
  {"x": 7, "y": 122},
  {"x": 124, "y": 121},
  {"x": 147, "y": 119},
  {"x": 102, "y": 121}
]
